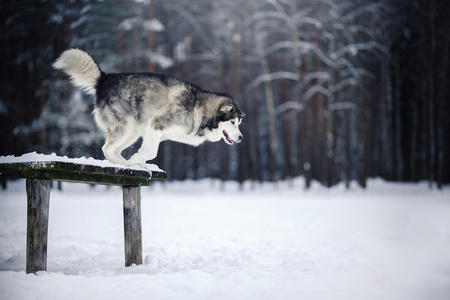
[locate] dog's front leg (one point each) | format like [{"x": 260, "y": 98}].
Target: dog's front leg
[{"x": 149, "y": 148}]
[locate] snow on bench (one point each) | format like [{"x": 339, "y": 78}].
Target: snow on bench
[{"x": 39, "y": 171}]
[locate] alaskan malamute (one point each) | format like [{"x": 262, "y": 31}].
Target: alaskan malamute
[{"x": 153, "y": 106}]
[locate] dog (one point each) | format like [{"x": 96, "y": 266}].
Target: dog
[{"x": 153, "y": 106}]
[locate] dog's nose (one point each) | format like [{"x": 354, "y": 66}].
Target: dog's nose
[{"x": 240, "y": 138}]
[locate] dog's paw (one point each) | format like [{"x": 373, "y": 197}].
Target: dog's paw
[
  {"x": 145, "y": 166},
  {"x": 118, "y": 161}
]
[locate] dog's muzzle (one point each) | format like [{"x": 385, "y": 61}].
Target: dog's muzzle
[{"x": 229, "y": 140}]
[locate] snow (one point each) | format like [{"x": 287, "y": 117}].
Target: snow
[
  {"x": 202, "y": 240},
  {"x": 37, "y": 157},
  {"x": 153, "y": 25},
  {"x": 149, "y": 25}
]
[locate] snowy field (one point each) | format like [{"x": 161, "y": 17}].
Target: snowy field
[{"x": 390, "y": 241}]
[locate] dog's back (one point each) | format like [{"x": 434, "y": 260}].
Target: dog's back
[{"x": 150, "y": 96}]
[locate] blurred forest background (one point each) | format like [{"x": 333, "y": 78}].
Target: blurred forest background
[{"x": 334, "y": 90}]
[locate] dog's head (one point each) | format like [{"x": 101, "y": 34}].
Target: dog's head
[
  {"x": 229, "y": 118},
  {"x": 222, "y": 119}
]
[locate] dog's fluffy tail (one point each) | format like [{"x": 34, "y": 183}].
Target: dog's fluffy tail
[{"x": 81, "y": 68}]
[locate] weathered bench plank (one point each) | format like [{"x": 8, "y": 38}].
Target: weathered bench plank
[
  {"x": 39, "y": 175},
  {"x": 65, "y": 171}
]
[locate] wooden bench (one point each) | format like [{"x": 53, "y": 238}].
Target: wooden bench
[{"x": 39, "y": 175}]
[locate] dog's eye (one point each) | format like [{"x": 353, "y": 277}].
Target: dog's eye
[{"x": 232, "y": 122}]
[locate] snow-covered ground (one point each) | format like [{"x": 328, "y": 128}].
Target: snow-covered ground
[{"x": 390, "y": 241}]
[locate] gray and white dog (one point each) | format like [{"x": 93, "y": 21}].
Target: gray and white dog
[{"x": 153, "y": 106}]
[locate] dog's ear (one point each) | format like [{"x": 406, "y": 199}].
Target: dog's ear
[{"x": 226, "y": 108}]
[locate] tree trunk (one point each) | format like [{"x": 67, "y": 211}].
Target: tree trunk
[
  {"x": 269, "y": 101},
  {"x": 151, "y": 36}
]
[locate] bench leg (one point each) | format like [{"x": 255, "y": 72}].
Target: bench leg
[
  {"x": 132, "y": 225},
  {"x": 38, "y": 194}
]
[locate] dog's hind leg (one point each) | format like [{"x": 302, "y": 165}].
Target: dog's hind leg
[
  {"x": 115, "y": 144},
  {"x": 109, "y": 150}
]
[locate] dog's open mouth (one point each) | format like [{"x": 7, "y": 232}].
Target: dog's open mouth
[{"x": 228, "y": 140}]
